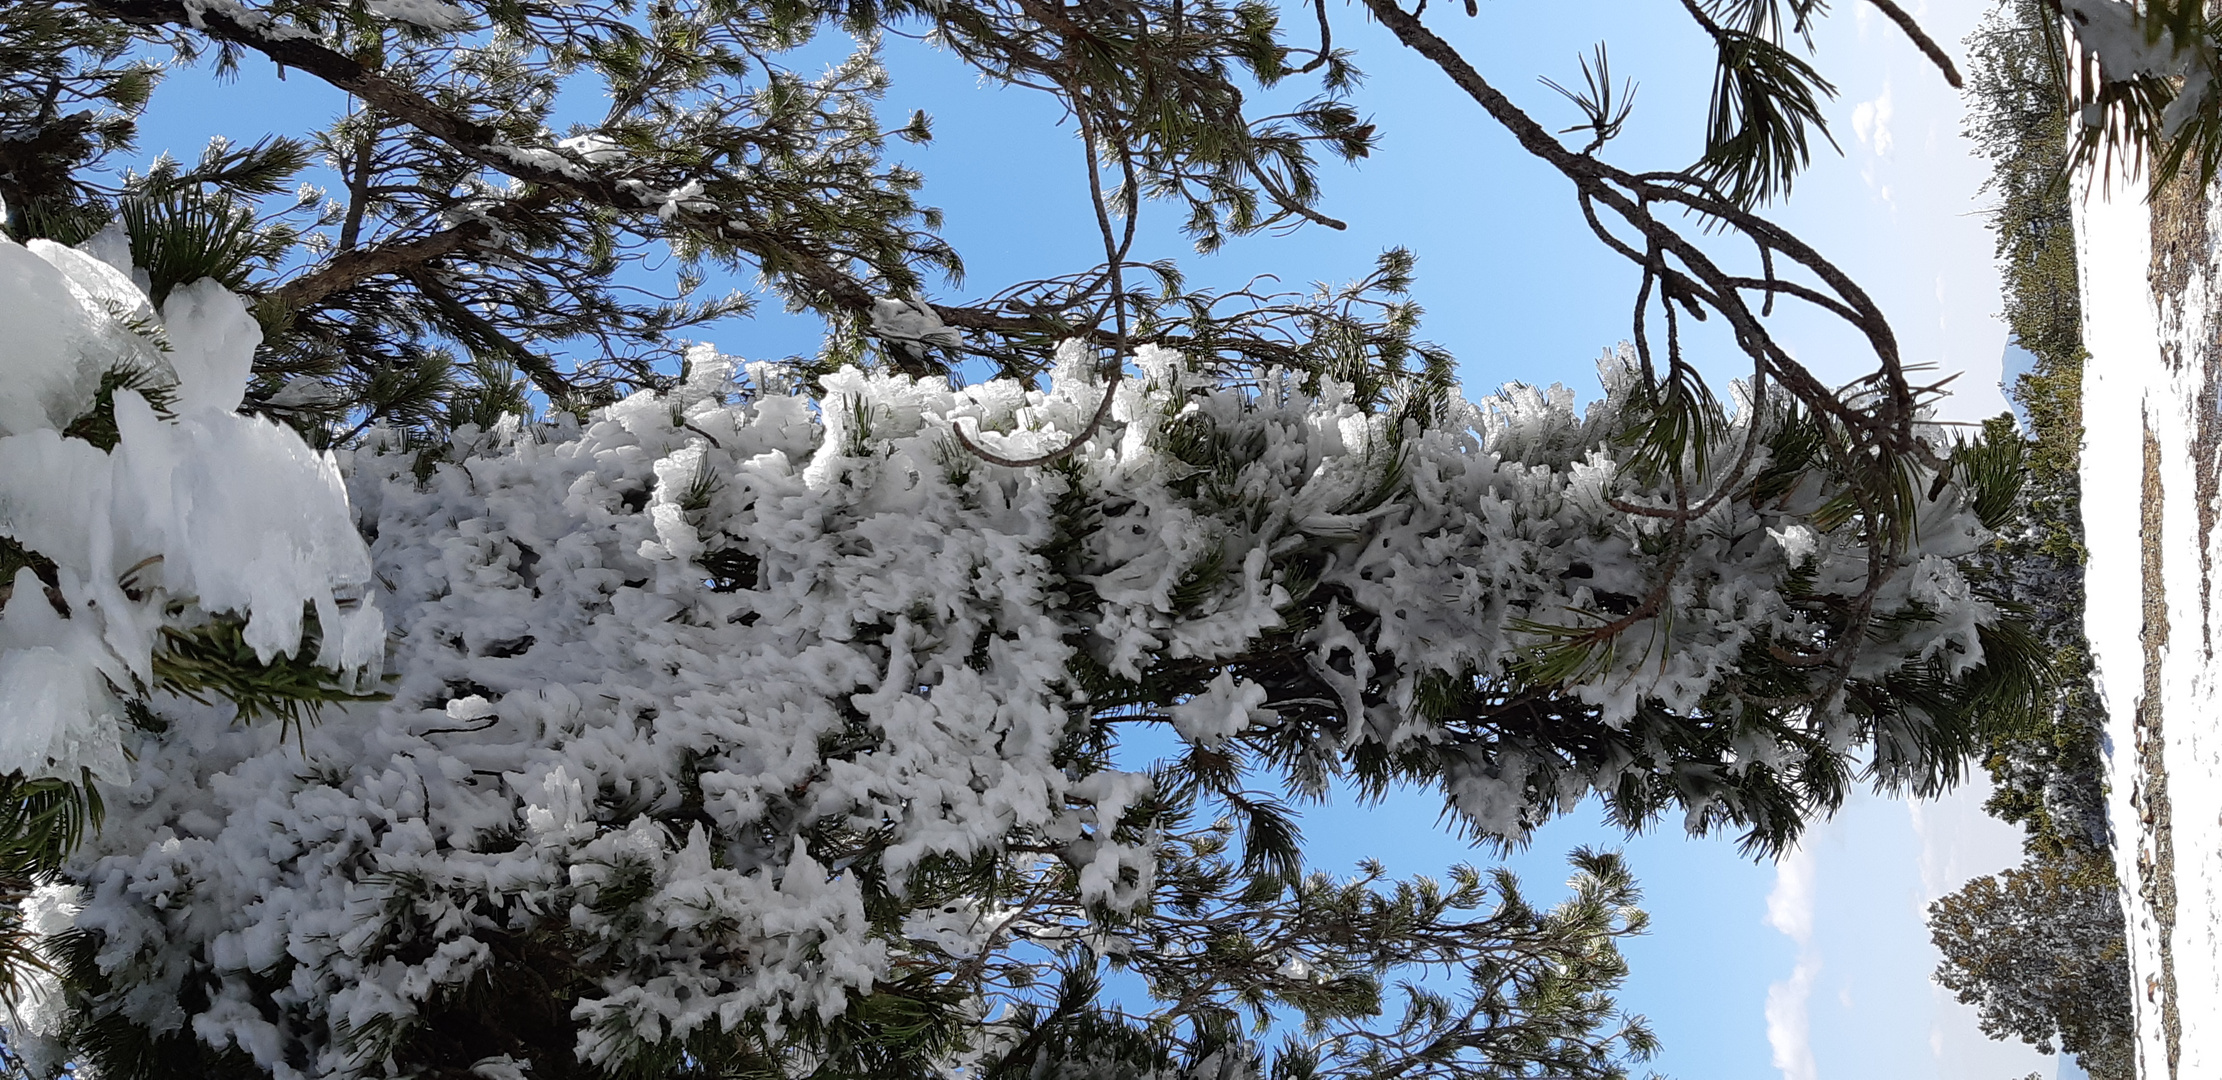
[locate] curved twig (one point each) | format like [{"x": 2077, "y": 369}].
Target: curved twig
[
  {"x": 1921, "y": 40},
  {"x": 1326, "y": 40},
  {"x": 1115, "y": 250},
  {"x": 1870, "y": 430}
]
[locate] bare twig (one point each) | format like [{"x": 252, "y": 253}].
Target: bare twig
[
  {"x": 1871, "y": 429},
  {"x": 1114, "y": 249},
  {"x": 1921, "y": 40},
  {"x": 1326, "y": 40}
]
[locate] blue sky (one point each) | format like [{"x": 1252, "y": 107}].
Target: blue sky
[{"x": 1816, "y": 968}]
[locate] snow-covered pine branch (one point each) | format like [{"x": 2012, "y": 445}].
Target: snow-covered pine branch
[
  {"x": 756, "y": 725},
  {"x": 700, "y": 702},
  {"x": 153, "y": 541}
]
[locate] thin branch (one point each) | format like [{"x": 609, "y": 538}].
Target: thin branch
[
  {"x": 355, "y": 265},
  {"x": 1921, "y": 40},
  {"x": 1326, "y": 40},
  {"x": 1115, "y": 251},
  {"x": 1771, "y": 285},
  {"x": 1628, "y": 196},
  {"x": 358, "y": 193},
  {"x": 490, "y": 337}
]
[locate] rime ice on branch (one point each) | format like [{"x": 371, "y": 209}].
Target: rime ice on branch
[{"x": 701, "y": 703}]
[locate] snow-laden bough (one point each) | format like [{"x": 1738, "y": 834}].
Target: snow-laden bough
[{"x": 690, "y": 697}]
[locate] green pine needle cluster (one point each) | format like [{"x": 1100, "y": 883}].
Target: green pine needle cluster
[{"x": 212, "y": 663}]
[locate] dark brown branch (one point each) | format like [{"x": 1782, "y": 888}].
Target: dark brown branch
[
  {"x": 1921, "y": 40},
  {"x": 1628, "y": 195},
  {"x": 1326, "y": 40},
  {"x": 1699, "y": 196},
  {"x": 354, "y": 266},
  {"x": 1289, "y": 205},
  {"x": 358, "y": 193},
  {"x": 1116, "y": 252},
  {"x": 1770, "y": 286},
  {"x": 489, "y": 337},
  {"x": 262, "y": 33},
  {"x": 1704, "y": 19}
]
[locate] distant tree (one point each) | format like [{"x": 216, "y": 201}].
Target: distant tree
[{"x": 2038, "y": 951}]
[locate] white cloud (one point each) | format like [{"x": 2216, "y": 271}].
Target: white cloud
[
  {"x": 1959, "y": 839},
  {"x": 1789, "y": 1028},
  {"x": 1790, "y": 903},
  {"x": 1871, "y": 122},
  {"x": 1789, "y": 1022}
]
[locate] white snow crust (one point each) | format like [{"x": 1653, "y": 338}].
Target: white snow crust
[
  {"x": 2114, "y": 32},
  {"x": 910, "y": 322},
  {"x": 2128, "y": 387},
  {"x": 40, "y": 1013},
  {"x": 429, "y": 14}
]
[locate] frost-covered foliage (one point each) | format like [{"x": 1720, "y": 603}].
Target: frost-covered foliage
[
  {"x": 152, "y": 541},
  {"x": 764, "y": 724},
  {"x": 744, "y": 724},
  {"x": 140, "y": 510}
]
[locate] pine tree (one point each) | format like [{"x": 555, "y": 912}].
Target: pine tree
[
  {"x": 758, "y": 721},
  {"x": 2038, "y": 950}
]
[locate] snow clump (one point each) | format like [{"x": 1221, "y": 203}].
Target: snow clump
[{"x": 194, "y": 512}]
